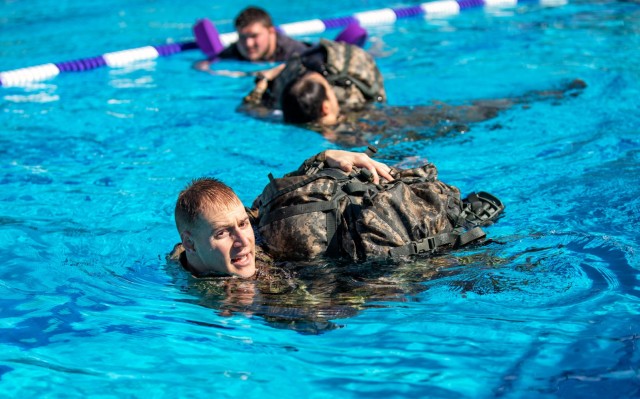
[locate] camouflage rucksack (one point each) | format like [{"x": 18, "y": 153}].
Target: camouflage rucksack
[
  {"x": 327, "y": 212},
  {"x": 353, "y": 73},
  {"x": 350, "y": 70}
]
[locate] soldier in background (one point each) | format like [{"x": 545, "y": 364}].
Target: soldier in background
[
  {"x": 337, "y": 89},
  {"x": 258, "y": 41},
  {"x": 343, "y": 74}
]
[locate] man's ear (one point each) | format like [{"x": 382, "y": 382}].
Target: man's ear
[
  {"x": 327, "y": 117},
  {"x": 187, "y": 241},
  {"x": 326, "y": 107}
]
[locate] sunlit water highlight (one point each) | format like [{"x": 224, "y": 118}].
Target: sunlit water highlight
[{"x": 92, "y": 163}]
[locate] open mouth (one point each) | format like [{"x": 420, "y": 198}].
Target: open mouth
[{"x": 241, "y": 260}]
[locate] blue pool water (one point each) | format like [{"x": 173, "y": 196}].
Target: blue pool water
[{"x": 91, "y": 164}]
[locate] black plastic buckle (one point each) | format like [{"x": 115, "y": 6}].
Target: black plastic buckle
[{"x": 425, "y": 245}]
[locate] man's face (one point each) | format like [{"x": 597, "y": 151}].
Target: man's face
[
  {"x": 256, "y": 42},
  {"x": 223, "y": 241}
]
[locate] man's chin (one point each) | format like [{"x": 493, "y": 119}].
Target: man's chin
[
  {"x": 246, "y": 271},
  {"x": 255, "y": 56},
  {"x": 246, "y": 267}
]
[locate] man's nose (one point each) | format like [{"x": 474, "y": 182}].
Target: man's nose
[{"x": 241, "y": 238}]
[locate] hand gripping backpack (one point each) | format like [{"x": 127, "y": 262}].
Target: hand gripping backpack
[{"x": 326, "y": 212}]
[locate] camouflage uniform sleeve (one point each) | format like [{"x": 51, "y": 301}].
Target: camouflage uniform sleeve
[
  {"x": 262, "y": 257},
  {"x": 175, "y": 253},
  {"x": 273, "y": 277},
  {"x": 256, "y": 95},
  {"x": 179, "y": 255}
]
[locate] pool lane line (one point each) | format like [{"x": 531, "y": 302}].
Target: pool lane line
[{"x": 441, "y": 8}]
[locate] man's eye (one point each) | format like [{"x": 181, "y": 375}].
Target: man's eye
[
  {"x": 244, "y": 223},
  {"x": 221, "y": 234}
]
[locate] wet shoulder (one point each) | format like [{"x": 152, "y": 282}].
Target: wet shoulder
[{"x": 287, "y": 47}]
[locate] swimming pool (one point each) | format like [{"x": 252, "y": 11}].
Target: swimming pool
[{"x": 92, "y": 163}]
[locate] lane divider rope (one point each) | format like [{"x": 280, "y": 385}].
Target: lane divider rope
[{"x": 440, "y": 8}]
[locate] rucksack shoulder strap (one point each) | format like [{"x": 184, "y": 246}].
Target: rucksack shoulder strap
[{"x": 293, "y": 210}]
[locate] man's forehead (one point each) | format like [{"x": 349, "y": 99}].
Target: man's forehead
[
  {"x": 253, "y": 27},
  {"x": 222, "y": 214}
]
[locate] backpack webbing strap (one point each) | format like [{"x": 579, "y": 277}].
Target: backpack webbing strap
[
  {"x": 347, "y": 62},
  {"x": 272, "y": 192},
  {"x": 356, "y": 187},
  {"x": 369, "y": 92},
  {"x": 333, "y": 223},
  {"x": 470, "y": 236},
  {"x": 332, "y": 239},
  {"x": 430, "y": 244},
  {"x": 293, "y": 210}
]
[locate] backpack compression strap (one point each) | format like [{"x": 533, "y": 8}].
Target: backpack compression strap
[{"x": 430, "y": 244}]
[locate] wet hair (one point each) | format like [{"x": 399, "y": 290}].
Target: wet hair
[
  {"x": 251, "y": 15},
  {"x": 202, "y": 194},
  {"x": 301, "y": 101}
]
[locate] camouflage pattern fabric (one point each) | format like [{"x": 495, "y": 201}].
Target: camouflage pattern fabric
[
  {"x": 303, "y": 236},
  {"x": 414, "y": 207},
  {"x": 354, "y": 75},
  {"x": 350, "y": 70},
  {"x": 299, "y": 213}
]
